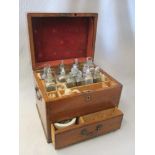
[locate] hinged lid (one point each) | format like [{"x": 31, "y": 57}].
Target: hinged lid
[{"x": 61, "y": 36}]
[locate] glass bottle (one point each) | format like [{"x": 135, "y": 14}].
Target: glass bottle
[
  {"x": 74, "y": 70},
  {"x": 88, "y": 65},
  {"x": 79, "y": 79},
  {"x": 44, "y": 73},
  {"x": 85, "y": 67},
  {"x": 70, "y": 81},
  {"x": 88, "y": 78},
  {"x": 61, "y": 66},
  {"x": 97, "y": 75},
  {"x": 89, "y": 62},
  {"x": 50, "y": 81},
  {"x": 62, "y": 74}
]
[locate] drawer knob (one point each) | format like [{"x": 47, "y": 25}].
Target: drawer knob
[
  {"x": 99, "y": 127},
  {"x": 84, "y": 132}
]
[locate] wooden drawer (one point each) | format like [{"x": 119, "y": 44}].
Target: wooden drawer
[{"x": 87, "y": 127}]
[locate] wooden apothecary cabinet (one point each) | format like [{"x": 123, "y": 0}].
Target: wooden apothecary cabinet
[{"x": 66, "y": 36}]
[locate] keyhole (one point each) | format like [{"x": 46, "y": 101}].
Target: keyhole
[{"x": 88, "y": 98}]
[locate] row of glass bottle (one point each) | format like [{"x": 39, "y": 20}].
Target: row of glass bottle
[{"x": 89, "y": 74}]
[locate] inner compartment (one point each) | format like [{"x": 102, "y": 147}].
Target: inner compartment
[
  {"x": 62, "y": 90},
  {"x": 77, "y": 90},
  {"x": 90, "y": 118}
]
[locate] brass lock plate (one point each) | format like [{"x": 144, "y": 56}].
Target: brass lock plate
[{"x": 88, "y": 96}]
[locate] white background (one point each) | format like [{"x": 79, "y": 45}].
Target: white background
[{"x": 114, "y": 53}]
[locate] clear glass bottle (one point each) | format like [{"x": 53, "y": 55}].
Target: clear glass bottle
[
  {"x": 50, "y": 81},
  {"x": 89, "y": 62},
  {"x": 44, "y": 73},
  {"x": 97, "y": 75},
  {"x": 85, "y": 67},
  {"x": 62, "y": 72},
  {"x": 62, "y": 76},
  {"x": 61, "y": 66},
  {"x": 70, "y": 81},
  {"x": 74, "y": 70},
  {"x": 88, "y": 78},
  {"x": 88, "y": 65},
  {"x": 79, "y": 79}
]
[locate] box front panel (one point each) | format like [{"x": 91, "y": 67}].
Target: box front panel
[{"x": 83, "y": 104}]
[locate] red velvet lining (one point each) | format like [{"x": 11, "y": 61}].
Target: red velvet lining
[{"x": 57, "y": 38}]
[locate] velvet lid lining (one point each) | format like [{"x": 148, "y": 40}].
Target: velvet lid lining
[{"x": 59, "y": 38}]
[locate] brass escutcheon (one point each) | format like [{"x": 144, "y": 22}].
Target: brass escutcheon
[{"x": 88, "y": 98}]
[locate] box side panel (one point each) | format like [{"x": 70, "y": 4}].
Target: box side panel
[{"x": 41, "y": 107}]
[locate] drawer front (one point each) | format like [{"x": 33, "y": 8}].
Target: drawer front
[
  {"x": 83, "y": 104},
  {"x": 86, "y": 132}
]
